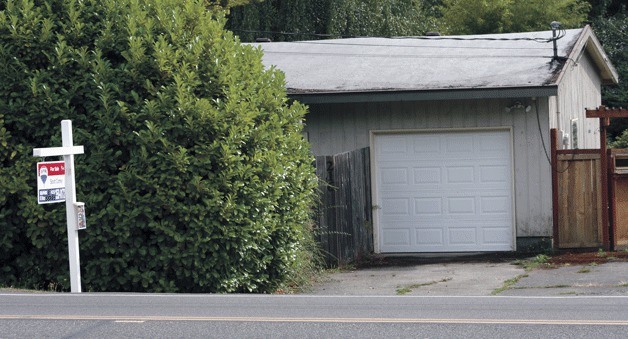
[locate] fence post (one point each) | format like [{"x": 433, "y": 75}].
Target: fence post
[{"x": 555, "y": 202}]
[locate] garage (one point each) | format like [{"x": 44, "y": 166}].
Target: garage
[{"x": 443, "y": 191}]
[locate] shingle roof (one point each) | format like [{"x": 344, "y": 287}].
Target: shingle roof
[{"x": 364, "y": 65}]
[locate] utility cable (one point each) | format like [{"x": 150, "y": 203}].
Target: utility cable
[
  {"x": 549, "y": 160},
  {"x": 561, "y": 34}
]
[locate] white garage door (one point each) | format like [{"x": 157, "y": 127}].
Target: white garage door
[{"x": 444, "y": 191}]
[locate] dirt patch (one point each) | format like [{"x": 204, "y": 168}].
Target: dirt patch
[{"x": 586, "y": 258}]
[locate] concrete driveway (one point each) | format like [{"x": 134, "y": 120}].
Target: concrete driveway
[{"x": 464, "y": 276}]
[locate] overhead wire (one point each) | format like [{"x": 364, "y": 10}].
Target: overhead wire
[{"x": 562, "y": 33}]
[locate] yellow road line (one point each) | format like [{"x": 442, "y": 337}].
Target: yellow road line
[{"x": 320, "y": 320}]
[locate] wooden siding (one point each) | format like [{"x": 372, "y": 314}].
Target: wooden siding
[
  {"x": 337, "y": 128},
  {"x": 580, "y": 88}
]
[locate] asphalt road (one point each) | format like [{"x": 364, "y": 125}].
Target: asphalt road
[{"x": 271, "y": 316}]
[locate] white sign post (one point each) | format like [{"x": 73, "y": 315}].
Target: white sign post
[{"x": 67, "y": 151}]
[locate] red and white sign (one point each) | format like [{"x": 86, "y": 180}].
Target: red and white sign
[{"x": 50, "y": 182}]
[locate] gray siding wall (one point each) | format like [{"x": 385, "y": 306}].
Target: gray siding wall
[
  {"x": 580, "y": 88},
  {"x": 336, "y": 128}
]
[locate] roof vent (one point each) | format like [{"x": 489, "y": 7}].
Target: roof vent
[
  {"x": 263, "y": 40},
  {"x": 432, "y": 34}
]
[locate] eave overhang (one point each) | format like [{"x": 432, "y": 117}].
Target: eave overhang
[{"x": 422, "y": 95}]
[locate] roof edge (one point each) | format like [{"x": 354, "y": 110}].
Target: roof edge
[
  {"x": 424, "y": 95},
  {"x": 588, "y": 41}
]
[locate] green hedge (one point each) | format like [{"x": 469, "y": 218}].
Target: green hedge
[{"x": 195, "y": 175}]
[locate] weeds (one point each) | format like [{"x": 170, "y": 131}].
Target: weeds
[
  {"x": 508, "y": 283},
  {"x": 557, "y": 286},
  {"x": 584, "y": 270},
  {"x": 307, "y": 266},
  {"x": 407, "y": 289},
  {"x": 540, "y": 261}
]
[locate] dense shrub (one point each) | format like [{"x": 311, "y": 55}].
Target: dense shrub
[{"x": 195, "y": 175}]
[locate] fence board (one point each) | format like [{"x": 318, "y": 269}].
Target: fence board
[
  {"x": 580, "y": 206},
  {"x": 344, "y": 231}
]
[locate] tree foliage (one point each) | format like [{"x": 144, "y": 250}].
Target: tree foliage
[
  {"x": 504, "y": 16},
  {"x": 195, "y": 176},
  {"x": 378, "y": 18},
  {"x": 288, "y": 20},
  {"x": 613, "y": 34},
  {"x": 610, "y": 23}
]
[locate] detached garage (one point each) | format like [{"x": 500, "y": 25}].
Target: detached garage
[{"x": 457, "y": 129}]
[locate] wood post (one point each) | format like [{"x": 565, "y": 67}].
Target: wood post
[
  {"x": 604, "y": 122},
  {"x": 554, "y": 145}
]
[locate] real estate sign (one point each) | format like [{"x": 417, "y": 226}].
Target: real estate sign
[{"x": 50, "y": 182}]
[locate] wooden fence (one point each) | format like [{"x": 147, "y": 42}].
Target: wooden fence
[
  {"x": 578, "y": 191},
  {"x": 345, "y": 228}
]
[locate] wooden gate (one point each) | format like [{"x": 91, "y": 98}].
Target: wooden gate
[
  {"x": 578, "y": 192},
  {"x": 345, "y": 229}
]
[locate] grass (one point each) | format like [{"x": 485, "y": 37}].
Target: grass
[
  {"x": 407, "y": 289},
  {"x": 623, "y": 284},
  {"x": 540, "y": 261},
  {"x": 508, "y": 283},
  {"x": 584, "y": 270},
  {"x": 602, "y": 254}
]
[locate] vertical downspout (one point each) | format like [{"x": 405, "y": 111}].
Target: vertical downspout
[
  {"x": 559, "y": 121},
  {"x": 555, "y": 25}
]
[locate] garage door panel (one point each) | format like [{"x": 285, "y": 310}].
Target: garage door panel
[
  {"x": 448, "y": 191},
  {"x": 456, "y": 205},
  {"x": 393, "y": 144},
  {"x": 490, "y": 145},
  {"x": 462, "y": 143},
  {"x": 496, "y": 235},
  {"x": 460, "y": 174},
  {"x": 430, "y": 237},
  {"x": 428, "y": 207},
  {"x": 426, "y": 144},
  {"x": 397, "y": 237},
  {"x": 396, "y": 206},
  {"x": 462, "y": 236},
  {"x": 426, "y": 175},
  {"x": 394, "y": 176},
  {"x": 460, "y": 205}
]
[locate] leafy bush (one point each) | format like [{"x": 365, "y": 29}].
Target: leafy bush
[
  {"x": 621, "y": 141},
  {"x": 195, "y": 175}
]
